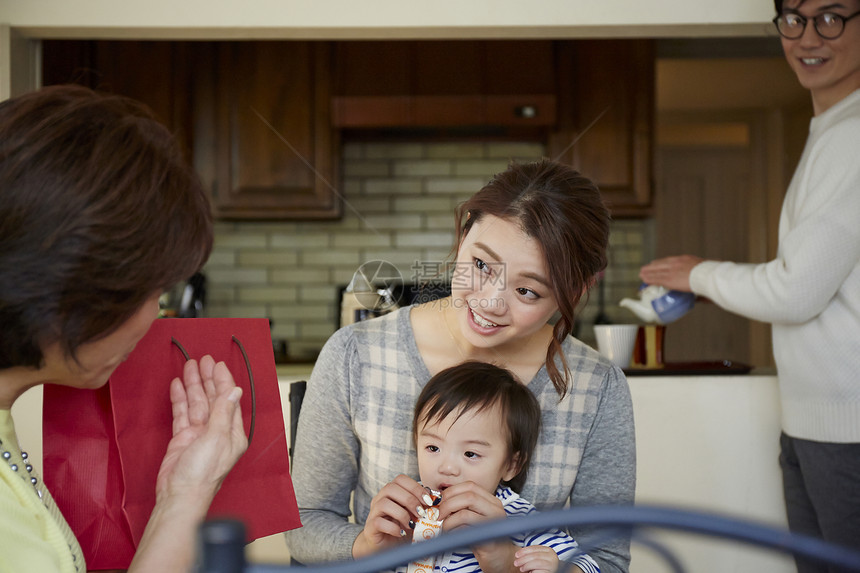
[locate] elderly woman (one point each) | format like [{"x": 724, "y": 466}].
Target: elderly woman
[{"x": 98, "y": 215}]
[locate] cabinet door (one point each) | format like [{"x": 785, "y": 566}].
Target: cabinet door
[
  {"x": 152, "y": 72},
  {"x": 606, "y": 108},
  {"x": 444, "y": 84},
  {"x": 273, "y": 155}
]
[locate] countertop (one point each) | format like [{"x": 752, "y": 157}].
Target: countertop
[
  {"x": 710, "y": 443},
  {"x": 700, "y": 368},
  {"x": 293, "y": 372}
]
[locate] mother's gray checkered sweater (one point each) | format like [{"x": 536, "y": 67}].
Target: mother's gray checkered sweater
[{"x": 355, "y": 434}]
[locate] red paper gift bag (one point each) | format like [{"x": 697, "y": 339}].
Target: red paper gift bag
[{"x": 103, "y": 448}]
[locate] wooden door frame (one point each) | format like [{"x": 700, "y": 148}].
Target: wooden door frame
[{"x": 768, "y": 182}]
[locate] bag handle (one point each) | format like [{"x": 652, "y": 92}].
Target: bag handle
[{"x": 250, "y": 379}]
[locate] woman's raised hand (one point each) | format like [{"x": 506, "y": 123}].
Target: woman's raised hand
[
  {"x": 208, "y": 439},
  {"x": 208, "y": 434},
  {"x": 391, "y": 510}
]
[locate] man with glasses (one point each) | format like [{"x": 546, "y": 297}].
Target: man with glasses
[
  {"x": 829, "y": 25},
  {"x": 825, "y": 55},
  {"x": 810, "y": 292}
]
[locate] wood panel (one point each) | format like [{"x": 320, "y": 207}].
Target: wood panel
[
  {"x": 358, "y": 112},
  {"x": 372, "y": 68},
  {"x": 155, "y": 73},
  {"x": 274, "y": 153},
  {"x": 606, "y": 116},
  {"x": 448, "y": 68},
  {"x": 452, "y": 67},
  {"x": 444, "y": 84},
  {"x": 700, "y": 209}
]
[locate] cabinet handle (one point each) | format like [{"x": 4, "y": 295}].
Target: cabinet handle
[{"x": 526, "y": 111}]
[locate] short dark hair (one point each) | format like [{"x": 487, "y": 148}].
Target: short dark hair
[
  {"x": 562, "y": 210},
  {"x": 98, "y": 212},
  {"x": 777, "y": 4},
  {"x": 476, "y": 386}
]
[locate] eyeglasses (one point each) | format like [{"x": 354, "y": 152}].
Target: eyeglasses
[{"x": 828, "y": 25}]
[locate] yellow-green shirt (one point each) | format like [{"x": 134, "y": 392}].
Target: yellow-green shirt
[{"x": 34, "y": 536}]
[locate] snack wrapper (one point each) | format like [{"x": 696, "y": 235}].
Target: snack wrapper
[{"x": 427, "y": 527}]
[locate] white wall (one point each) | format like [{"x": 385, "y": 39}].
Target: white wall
[{"x": 386, "y": 18}]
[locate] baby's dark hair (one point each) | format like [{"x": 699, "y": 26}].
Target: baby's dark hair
[{"x": 475, "y": 386}]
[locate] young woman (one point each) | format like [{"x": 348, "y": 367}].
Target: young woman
[
  {"x": 530, "y": 244},
  {"x": 98, "y": 215}
]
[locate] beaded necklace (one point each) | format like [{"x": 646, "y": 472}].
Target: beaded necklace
[{"x": 6, "y": 454}]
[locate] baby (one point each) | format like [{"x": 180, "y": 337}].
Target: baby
[{"x": 475, "y": 428}]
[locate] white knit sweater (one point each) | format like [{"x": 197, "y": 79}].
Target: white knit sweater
[{"x": 811, "y": 291}]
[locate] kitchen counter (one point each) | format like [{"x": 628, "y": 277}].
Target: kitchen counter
[
  {"x": 703, "y": 442},
  {"x": 710, "y": 443},
  {"x": 293, "y": 372},
  {"x": 706, "y": 442}
]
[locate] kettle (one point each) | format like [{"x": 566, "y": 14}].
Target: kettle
[
  {"x": 193, "y": 297},
  {"x": 659, "y": 305}
]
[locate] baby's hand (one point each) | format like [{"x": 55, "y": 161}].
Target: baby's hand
[
  {"x": 536, "y": 558},
  {"x": 467, "y": 504},
  {"x": 391, "y": 512}
]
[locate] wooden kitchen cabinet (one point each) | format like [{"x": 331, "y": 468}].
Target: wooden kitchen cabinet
[
  {"x": 594, "y": 98},
  {"x": 444, "y": 84},
  {"x": 155, "y": 73},
  {"x": 264, "y": 140},
  {"x": 606, "y": 118},
  {"x": 261, "y": 120},
  {"x": 254, "y": 117}
]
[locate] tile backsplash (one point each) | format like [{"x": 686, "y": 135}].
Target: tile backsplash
[{"x": 399, "y": 201}]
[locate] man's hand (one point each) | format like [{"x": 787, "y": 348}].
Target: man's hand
[{"x": 670, "y": 272}]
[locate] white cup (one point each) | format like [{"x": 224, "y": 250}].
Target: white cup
[{"x": 616, "y": 341}]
